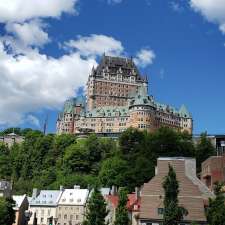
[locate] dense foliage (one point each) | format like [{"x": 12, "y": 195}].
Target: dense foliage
[
  {"x": 7, "y": 214},
  {"x": 173, "y": 213},
  {"x": 96, "y": 209},
  {"x": 48, "y": 161},
  {"x": 122, "y": 211},
  {"x": 216, "y": 210}
]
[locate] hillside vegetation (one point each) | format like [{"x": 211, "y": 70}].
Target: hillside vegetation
[{"x": 48, "y": 161}]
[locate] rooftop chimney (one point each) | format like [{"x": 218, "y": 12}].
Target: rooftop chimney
[
  {"x": 113, "y": 190},
  {"x": 35, "y": 193},
  {"x": 61, "y": 188}
]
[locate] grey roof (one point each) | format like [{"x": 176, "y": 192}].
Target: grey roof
[
  {"x": 46, "y": 197},
  {"x": 4, "y": 185},
  {"x": 114, "y": 64}
]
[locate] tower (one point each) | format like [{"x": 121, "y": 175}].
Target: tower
[{"x": 113, "y": 82}]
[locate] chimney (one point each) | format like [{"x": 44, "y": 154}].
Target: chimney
[
  {"x": 61, "y": 188},
  {"x": 35, "y": 193},
  {"x": 114, "y": 190},
  {"x": 137, "y": 193},
  {"x": 76, "y": 186}
]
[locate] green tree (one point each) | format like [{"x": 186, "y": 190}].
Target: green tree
[
  {"x": 216, "y": 209},
  {"x": 173, "y": 213},
  {"x": 7, "y": 214},
  {"x": 5, "y": 164},
  {"x": 204, "y": 150},
  {"x": 121, "y": 210},
  {"x": 76, "y": 159},
  {"x": 131, "y": 143},
  {"x": 169, "y": 142},
  {"x": 113, "y": 172},
  {"x": 96, "y": 209}
]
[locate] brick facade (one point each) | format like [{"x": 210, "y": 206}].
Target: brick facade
[
  {"x": 192, "y": 192},
  {"x": 213, "y": 170},
  {"x": 116, "y": 99}
]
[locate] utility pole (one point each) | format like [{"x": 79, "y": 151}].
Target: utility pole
[{"x": 45, "y": 124}]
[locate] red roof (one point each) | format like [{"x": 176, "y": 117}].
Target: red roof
[{"x": 133, "y": 204}]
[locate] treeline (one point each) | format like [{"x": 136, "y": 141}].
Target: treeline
[{"x": 48, "y": 161}]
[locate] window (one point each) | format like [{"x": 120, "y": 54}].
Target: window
[
  {"x": 160, "y": 211},
  {"x": 65, "y": 216},
  {"x": 77, "y": 217}
]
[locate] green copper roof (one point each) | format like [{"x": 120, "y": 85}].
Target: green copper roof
[
  {"x": 108, "y": 111},
  {"x": 142, "y": 98},
  {"x": 71, "y": 103},
  {"x": 184, "y": 112}
]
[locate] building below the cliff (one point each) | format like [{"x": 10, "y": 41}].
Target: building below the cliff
[{"x": 117, "y": 98}]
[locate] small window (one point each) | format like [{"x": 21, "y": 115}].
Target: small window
[{"x": 160, "y": 211}]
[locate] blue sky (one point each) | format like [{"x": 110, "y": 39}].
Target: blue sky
[{"x": 45, "y": 55}]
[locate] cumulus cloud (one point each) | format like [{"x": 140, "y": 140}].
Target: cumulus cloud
[
  {"x": 22, "y": 10},
  {"x": 212, "y": 10},
  {"x": 95, "y": 45},
  {"x": 35, "y": 81},
  {"x": 144, "y": 57},
  {"x": 29, "y": 33}
]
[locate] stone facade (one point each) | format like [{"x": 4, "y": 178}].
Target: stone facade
[
  {"x": 10, "y": 139},
  {"x": 43, "y": 205},
  {"x": 192, "y": 192},
  {"x": 117, "y": 98},
  {"x": 71, "y": 206}
]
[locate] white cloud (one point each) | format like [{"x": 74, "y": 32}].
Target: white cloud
[
  {"x": 144, "y": 57},
  {"x": 35, "y": 81},
  {"x": 21, "y": 10},
  {"x": 212, "y": 10},
  {"x": 29, "y": 33},
  {"x": 31, "y": 81},
  {"x": 95, "y": 45}
]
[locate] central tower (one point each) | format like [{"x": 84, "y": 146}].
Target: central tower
[{"x": 113, "y": 82}]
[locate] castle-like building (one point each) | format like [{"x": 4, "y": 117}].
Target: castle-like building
[{"x": 116, "y": 99}]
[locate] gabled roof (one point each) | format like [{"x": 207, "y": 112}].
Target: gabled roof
[
  {"x": 132, "y": 200},
  {"x": 18, "y": 200},
  {"x": 46, "y": 198},
  {"x": 184, "y": 112}
]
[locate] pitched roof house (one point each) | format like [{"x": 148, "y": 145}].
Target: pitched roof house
[{"x": 192, "y": 192}]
